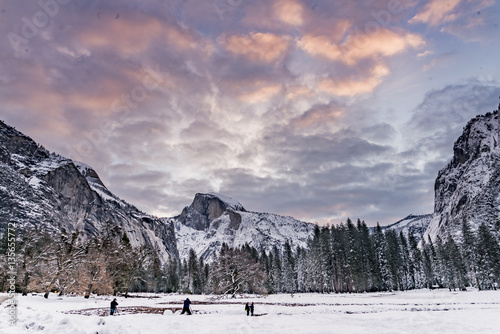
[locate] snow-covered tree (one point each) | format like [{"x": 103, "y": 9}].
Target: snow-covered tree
[
  {"x": 234, "y": 272},
  {"x": 289, "y": 272},
  {"x": 487, "y": 258}
]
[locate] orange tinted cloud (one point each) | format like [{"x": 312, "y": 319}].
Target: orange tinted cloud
[
  {"x": 262, "y": 94},
  {"x": 436, "y": 12},
  {"x": 351, "y": 88},
  {"x": 320, "y": 46},
  {"x": 289, "y": 12},
  {"x": 135, "y": 34},
  {"x": 298, "y": 91},
  {"x": 382, "y": 42},
  {"x": 263, "y": 47}
]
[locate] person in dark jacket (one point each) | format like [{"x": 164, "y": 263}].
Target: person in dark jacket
[
  {"x": 247, "y": 308},
  {"x": 187, "y": 304},
  {"x": 251, "y": 309},
  {"x": 114, "y": 304}
]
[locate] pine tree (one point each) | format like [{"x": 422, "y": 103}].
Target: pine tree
[
  {"x": 314, "y": 282},
  {"x": 487, "y": 258},
  {"x": 289, "y": 273},
  {"x": 440, "y": 264},
  {"x": 354, "y": 258},
  {"x": 416, "y": 263},
  {"x": 456, "y": 267},
  {"x": 368, "y": 259},
  {"x": 382, "y": 276},
  {"x": 171, "y": 274},
  {"x": 193, "y": 273},
  {"x": 326, "y": 259},
  {"x": 405, "y": 269},
  {"x": 302, "y": 274},
  {"x": 395, "y": 260},
  {"x": 339, "y": 261},
  {"x": 276, "y": 271},
  {"x": 468, "y": 249},
  {"x": 429, "y": 263}
]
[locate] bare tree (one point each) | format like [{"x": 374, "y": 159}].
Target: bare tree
[{"x": 235, "y": 272}]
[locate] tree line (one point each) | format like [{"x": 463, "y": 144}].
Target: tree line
[{"x": 344, "y": 258}]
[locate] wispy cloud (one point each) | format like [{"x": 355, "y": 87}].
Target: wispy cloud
[{"x": 437, "y": 12}]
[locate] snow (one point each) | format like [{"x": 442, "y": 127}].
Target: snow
[
  {"x": 420, "y": 311},
  {"x": 34, "y": 182},
  {"x": 259, "y": 230},
  {"x": 48, "y": 165},
  {"x": 82, "y": 167},
  {"x": 231, "y": 203}
]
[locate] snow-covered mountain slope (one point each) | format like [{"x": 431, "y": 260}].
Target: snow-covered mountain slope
[
  {"x": 46, "y": 190},
  {"x": 413, "y": 224},
  {"x": 468, "y": 188},
  {"x": 213, "y": 219}
]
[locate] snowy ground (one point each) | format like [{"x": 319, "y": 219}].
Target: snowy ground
[{"x": 422, "y": 311}]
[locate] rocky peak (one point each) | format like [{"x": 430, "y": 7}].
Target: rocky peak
[
  {"x": 213, "y": 219},
  {"x": 468, "y": 188},
  {"x": 205, "y": 208},
  {"x": 14, "y": 142},
  {"x": 480, "y": 136}
]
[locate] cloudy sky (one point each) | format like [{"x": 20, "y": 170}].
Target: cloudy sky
[{"x": 317, "y": 109}]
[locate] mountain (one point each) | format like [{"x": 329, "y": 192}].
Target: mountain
[
  {"x": 413, "y": 224},
  {"x": 213, "y": 219},
  {"x": 45, "y": 190},
  {"x": 53, "y": 193},
  {"x": 468, "y": 188}
]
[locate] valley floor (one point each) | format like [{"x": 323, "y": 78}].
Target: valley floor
[{"x": 421, "y": 311}]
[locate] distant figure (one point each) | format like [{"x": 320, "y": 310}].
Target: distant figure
[
  {"x": 251, "y": 309},
  {"x": 114, "y": 304},
  {"x": 247, "y": 308},
  {"x": 187, "y": 304}
]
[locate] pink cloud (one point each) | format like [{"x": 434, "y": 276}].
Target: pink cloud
[
  {"x": 437, "y": 12},
  {"x": 262, "y": 94},
  {"x": 263, "y": 47},
  {"x": 289, "y": 12},
  {"x": 350, "y": 88},
  {"x": 136, "y": 33},
  {"x": 382, "y": 42}
]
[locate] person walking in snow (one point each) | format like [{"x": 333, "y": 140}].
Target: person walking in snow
[
  {"x": 251, "y": 309},
  {"x": 247, "y": 308},
  {"x": 187, "y": 304},
  {"x": 114, "y": 304}
]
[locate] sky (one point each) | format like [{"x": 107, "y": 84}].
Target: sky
[{"x": 320, "y": 110}]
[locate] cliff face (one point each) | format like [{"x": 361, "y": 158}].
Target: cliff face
[
  {"x": 213, "y": 219},
  {"x": 468, "y": 188},
  {"x": 208, "y": 207},
  {"x": 39, "y": 188}
]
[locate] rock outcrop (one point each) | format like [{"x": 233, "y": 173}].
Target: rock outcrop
[
  {"x": 208, "y": 207},
  {"x": 213, "y": 219},
  {"x": 53, "y": 193},
  {"x": 468, "y": 188}
]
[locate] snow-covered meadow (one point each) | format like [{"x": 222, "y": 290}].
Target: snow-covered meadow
[{"x": 421, "y": 311}]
